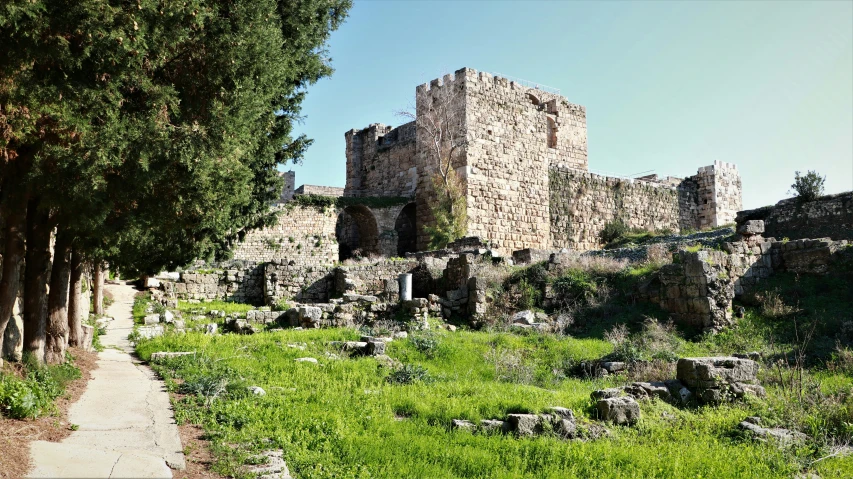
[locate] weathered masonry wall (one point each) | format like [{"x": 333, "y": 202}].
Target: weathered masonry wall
[
  {"x": 243, "y": 285},
  {"x": 289, "y": 185},
  {"x": 303, "y": 235},
  {"x": 719, "y": 194},
  {"x": 826, "y": 217},
  {"x": 332, "y": 191},
  {"x": 698, "y": 288},
  {"x": 582, "y": 203},
  {"x": 381, "y": 161}
]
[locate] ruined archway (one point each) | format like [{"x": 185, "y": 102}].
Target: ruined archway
[
  {"x": 357, "y": 233},
  {"x": 406, "y": 232}
]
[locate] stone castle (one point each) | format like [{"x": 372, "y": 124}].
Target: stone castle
[{"x": 523, "y": 164}]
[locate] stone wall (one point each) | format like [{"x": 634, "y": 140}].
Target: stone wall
[
  {"x": 698, "y": 288},
  {"x": 827, "y": 217},
  {"x": 381, "y": 161},
  {"x": 289, "y": 185},
  {"x": 513, "y": 133},
  {"x": 582, "y": 203},
  {"x": 238, "y": 285},
  {"x": 332, "y": 191},
  {"x": 309, "y": 284},
  {"x": 303, "y": 235},
  {"x": 719, "y": 190}
]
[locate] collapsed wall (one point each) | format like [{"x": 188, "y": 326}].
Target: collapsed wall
[
  {"x": 827, "y": 216},
  {"x": 697, "y": 289}
]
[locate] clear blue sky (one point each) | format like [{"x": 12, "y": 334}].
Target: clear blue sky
[{"x": 668, "y": 86}]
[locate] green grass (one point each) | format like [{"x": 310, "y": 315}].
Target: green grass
[
  {"x": 227, "y": 306},
  {"x": 345, "y": 418},
  {"x": 31, "y": 393},
  {"x": 342, "y": 418}
]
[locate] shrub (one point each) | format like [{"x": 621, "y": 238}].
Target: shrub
[
  {"x": 612, "y": 231},
  {"x": 510, "y": 366},
  {"x": 809, "y": 186},
  {"x": 575, "y": 287},
  {"x": 408, "y": 374},
  {"x": 32, "y": 396},
  {"x": 773, "y": 306},
  {"x": 426, "y": 343}
]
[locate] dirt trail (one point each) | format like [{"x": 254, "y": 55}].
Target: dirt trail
[{"x": 126, "y": 425}]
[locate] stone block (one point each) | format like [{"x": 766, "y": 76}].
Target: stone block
[
  {"x": 751, "y": 227},
  {"x": 713, "y": 372},
  {"x": 618, "y": 410}
]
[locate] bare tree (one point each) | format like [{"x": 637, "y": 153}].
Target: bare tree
[{"x": 439, "y": 117}]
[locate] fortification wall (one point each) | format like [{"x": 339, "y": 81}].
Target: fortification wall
[
  {"x": 332, "y": 191},
  {"x": 719, "y": 189},
  {"x": 302, "y": 235},
  {"x": 381, "y": 161},
  {"x": 287, "y": 189},
  {"x": 827, "y": 217},
  {"x": 582, "y": 203}
]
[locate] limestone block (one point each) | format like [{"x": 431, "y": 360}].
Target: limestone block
[
  {"x": 619, "y": 410},
  {"x": 714, "y": 372}
]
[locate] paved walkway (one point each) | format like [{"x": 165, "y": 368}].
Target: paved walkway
[{"x": 127, "y": 429}]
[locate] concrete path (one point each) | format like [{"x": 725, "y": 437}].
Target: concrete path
[{"x": 127, "y": 429}]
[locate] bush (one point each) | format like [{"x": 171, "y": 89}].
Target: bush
[
  {"x": 408, "y": 374},
  {"x": 32, "y": 396},
  {"x": 612, "y": 231},
  {"x": 427, "y": 344},
  {"x": 575, "y": 287},
  {"x": 808, "y": 187}
]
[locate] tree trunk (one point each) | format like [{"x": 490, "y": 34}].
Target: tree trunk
[
  {"x": 98, "y": 289},
  {"x": 35, "y": 280},
  {"x": 57, "y": 301},
  {"x": 13, "y": 260},
  {"x": 75, "y": 321}
]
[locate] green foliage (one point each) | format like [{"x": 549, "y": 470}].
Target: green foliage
[
  {"x": 348, "y": 417},
  {"x": 808, "y": 187},
  {"x": 408, "y": 374},
  {"x": 33, "y": 395},
  {"x": 229, "y": 307},
  {"x": 164, "y": 121},
  {"x": 325, "y": 202},
  {"x": 612, "y": 230},
  {"x": 449, "y": 209},
  {"x": 282, "y": 304},
  {"x": 576, "y": 286}
]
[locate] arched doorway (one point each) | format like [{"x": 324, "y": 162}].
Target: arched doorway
[
  {"x": 357, "y": 233},
  {"x": 406, "y": 232}
]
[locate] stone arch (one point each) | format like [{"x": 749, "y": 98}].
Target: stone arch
[
  {"x": 406, "y": 230},
  {"x": 357, "y": 232},
  {"x": 533, "y": 99}
]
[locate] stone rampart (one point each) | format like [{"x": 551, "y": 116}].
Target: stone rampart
[
  {"x": 332, "y": 191},
  {"x": 381, "y": 161},
  {"x": 719, "y": 194},
  {"x": 826, "y": 217},
  {"x": 582, "y": 203}
]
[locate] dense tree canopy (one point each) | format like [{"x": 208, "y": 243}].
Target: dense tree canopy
[{"x": 147, "y": 132}]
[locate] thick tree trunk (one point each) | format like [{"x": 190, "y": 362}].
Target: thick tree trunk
[
  {"x": 75, "y": 321},
  {"x": 13, "y": 260},
  {"x": 98, "y": 289},
  {"x": 57, "y": 301},
  {"x": 35, "y": 280}
]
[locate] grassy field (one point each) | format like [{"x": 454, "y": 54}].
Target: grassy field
[{"x": 354, "y": 417}]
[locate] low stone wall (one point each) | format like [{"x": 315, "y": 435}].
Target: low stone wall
[
  {"x": 826, "y": 217},
  {"x": 379, "y": 279},
  {"x": 308, "y": 284},
  {"x": 238, "y": 285}
]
